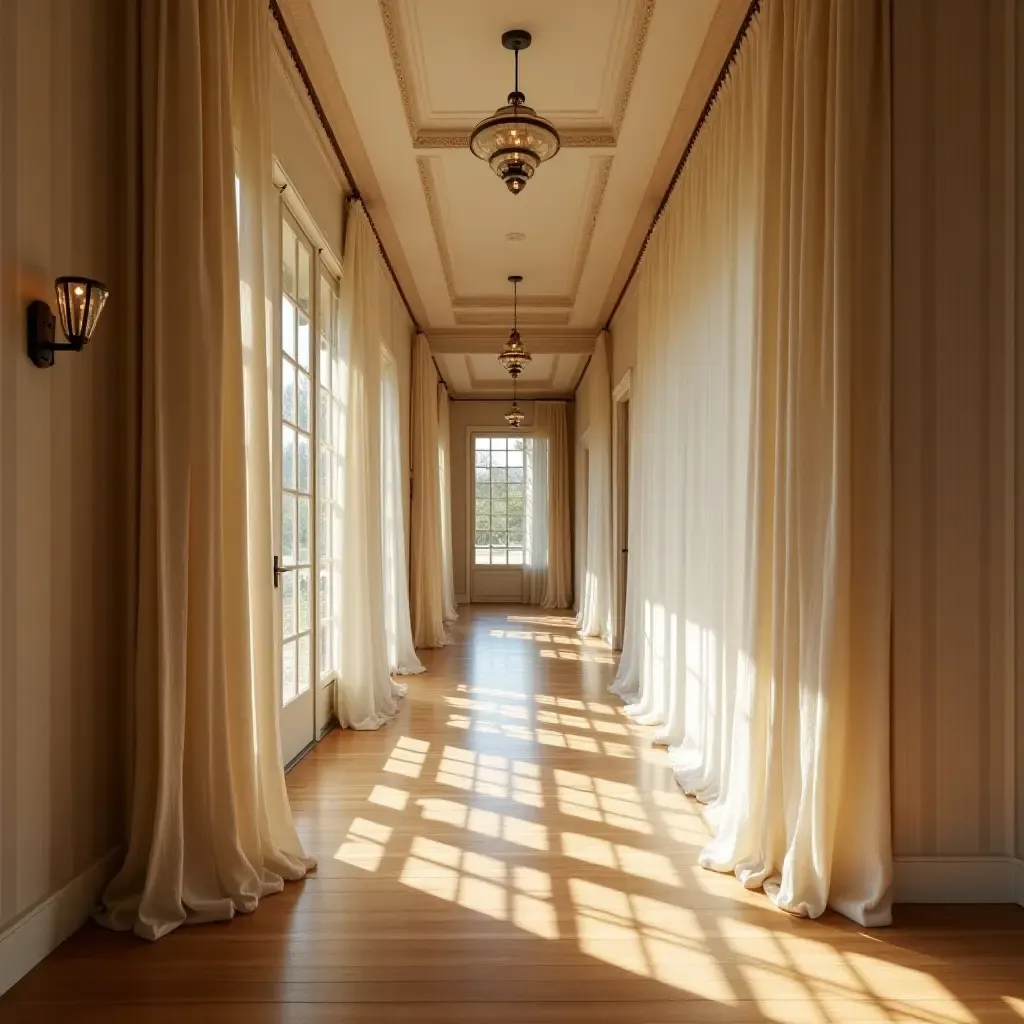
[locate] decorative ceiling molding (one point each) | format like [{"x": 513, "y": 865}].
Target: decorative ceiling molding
[
  {"x": 597, "y": 187},
  {"x": 597, "y": 136},
  {"x": 495, "y": 319},
  {"x": 604, "y": 170},
  {"x": 499, "y": 382}
]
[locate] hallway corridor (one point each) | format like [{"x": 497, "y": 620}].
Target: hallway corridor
[{"x": 511, "y": 849}]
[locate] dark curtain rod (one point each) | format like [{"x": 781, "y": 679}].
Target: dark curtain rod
[
  {"x": 321, "y": 114},
  {"x": 723, "y": 74}
]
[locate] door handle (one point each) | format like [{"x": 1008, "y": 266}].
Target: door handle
[{"x": 279, "y": 569}]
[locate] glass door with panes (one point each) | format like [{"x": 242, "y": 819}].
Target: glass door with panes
[
  {"x": 293, "y": 570},
  {"x": 499, "y": 487}
]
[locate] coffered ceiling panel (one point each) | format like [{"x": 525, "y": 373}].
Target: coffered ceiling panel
[{"x": 413, "y": 77}]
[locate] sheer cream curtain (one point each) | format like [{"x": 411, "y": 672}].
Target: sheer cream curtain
[
  {"x": 402, "y": 658},
  {"x": 444, "y": 423},
  {"x": 428, "y": 580},
  {"x": 550, "y": 423},
  {"x": 366, "y": 695},
  {"x": 758, "y": 628},
  {"x": 210, "y": 830},
  {"x": 595, "y": 611},
  {"x": 535, "y": 553}
]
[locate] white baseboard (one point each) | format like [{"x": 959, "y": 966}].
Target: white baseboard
[
  {"x": 39, "y": 931},
  {"x": 958, "y": 880}
]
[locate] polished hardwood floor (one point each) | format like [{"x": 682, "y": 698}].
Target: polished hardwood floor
[{"x": 512, "y": 849}]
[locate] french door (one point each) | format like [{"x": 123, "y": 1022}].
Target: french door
[{"x": 305, "y": 575}]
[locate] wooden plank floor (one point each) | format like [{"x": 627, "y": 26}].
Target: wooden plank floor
[{"x": 512, "y": 849}]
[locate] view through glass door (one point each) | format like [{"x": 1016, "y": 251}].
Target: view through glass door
[{"x": 293, "y": 570}]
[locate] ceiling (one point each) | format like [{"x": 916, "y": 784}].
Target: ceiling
[{"x": 405, "y": 81}]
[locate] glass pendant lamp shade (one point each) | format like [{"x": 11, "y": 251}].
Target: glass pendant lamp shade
[
  {"x": 514, "y": 417},
  {"x": 80, "y": 300},
  {"x": 514, "y": 356},
  {"x": 515, "y": 140}
]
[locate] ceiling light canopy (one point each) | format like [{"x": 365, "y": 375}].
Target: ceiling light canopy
[
  {"x": 514, "y": 356},
  {"x": 515, "y": 140}
]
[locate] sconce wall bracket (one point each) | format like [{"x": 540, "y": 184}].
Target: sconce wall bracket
[{"x": 41, "y": 329}]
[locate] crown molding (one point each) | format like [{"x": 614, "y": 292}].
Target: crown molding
[{"x": 602, "y": 135}]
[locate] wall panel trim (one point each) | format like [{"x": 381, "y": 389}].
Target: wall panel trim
[
  {"x": 958, "y": 880},
  {"x": 39, "y": 931}
]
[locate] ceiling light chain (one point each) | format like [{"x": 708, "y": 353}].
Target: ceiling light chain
[{"x": 515, "y": 140}]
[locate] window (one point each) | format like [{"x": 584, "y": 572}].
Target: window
[
  {"x": 500, "y": 491},
  {"x": 330, "y": 481},
  {"x": 296, "y": 462}
]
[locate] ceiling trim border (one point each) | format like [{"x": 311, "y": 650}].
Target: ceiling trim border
[
  {"x": 582, "y": 247},
  {"x": 599, "y": 136}
]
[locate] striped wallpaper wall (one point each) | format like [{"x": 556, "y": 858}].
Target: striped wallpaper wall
[{"x": 955, "y": 741}]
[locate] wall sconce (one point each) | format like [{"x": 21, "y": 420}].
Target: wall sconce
[{"x": 80, "y": 301}]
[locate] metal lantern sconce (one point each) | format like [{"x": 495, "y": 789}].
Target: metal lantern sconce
[{"x": 80, "y": 301}]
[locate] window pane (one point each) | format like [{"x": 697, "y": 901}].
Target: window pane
[
  {"x": 288, "y": 690},
  {"x": 305, "y": 263},
  {"x": 515, "y": 504},
  {"x": 498, "y": 557},
  {"x": 288, "y": 457},
  {"x": 304, "y": 383},
  {"x": 323, "y": 423},
  {"x": 498, "y": 458},
  {"x": 288, "y": 327},
  {"x": 499, "y": 539},
  {"x": 498, "y": 444},
  {"x": 483, "y": 458},
  {"x": 515, "y": 538},
  {"x": 304, "y": 600},
  {"x": 303, "y": 356},
  {"x": 325, "y": 363},
  {"x": 498, "y": 508},
  {"x": 483, "y": 523},
  {"x": 288, "y": 529},
  {"x": 482, "y": 536},
  {"x": 515, "y": 458},
  {"x": 482, "y": 475},
  {"x": 303, "y": 476},
  {"x": 481, "y": 442},
  {"x": 516, "y": 444},
  {"x": 304, "y": 663},
  {"x": 324, "y": 593},
  {"x": 288, "y": 604},
  {"x": 515, "y": 476},
  {"x": 287, "y": 391},
  {"x": 515, "y": 523},
  {"x": 515, "y": 557},
  {"x": 482, "y": 506},
  {"x": 288, "y": 273},
  {"x": 483, "y": 556},
  {"x": 498, "y": 476},
  {"x": 304, "y": 531},
  {"x": 499, "y": 491},
  {"x": 483, "y": 491}
]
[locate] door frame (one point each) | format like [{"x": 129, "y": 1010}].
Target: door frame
[
  {"x": 517, "y": 570},
  {"x": 621, "y": 431},
  {"x": 324, "y": 263}
]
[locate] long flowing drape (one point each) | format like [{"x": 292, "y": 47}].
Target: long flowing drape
[
  {"x": 366, "y": 695},
  {"x": 210, "y": 830},
  {"x": 758, "y": 626},
  {"x": 595, "y": 611},
  {"x": 444, "y": 431},
  {"x": 550, "y": 423},
  {"x": 428, "y": 580},
  {"x": 535, "y": 553},
  {"x": 402, "y": 658}
]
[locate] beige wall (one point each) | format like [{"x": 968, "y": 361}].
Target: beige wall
[
  {"x": 623, "y": 335},
  {"x": 62, "y": 485},
  {"x": 953, "y": 418}
]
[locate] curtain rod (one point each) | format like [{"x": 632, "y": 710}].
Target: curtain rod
[
  {"x": 293, "y": 52},
  {"x": 755, "y": 6}
]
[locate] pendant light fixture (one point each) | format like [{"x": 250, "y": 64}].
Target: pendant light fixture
[
  {"x": 515, "y": 140},
  {"x": 514, "y": 356},
  {"x": 514, "y": 417}
]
